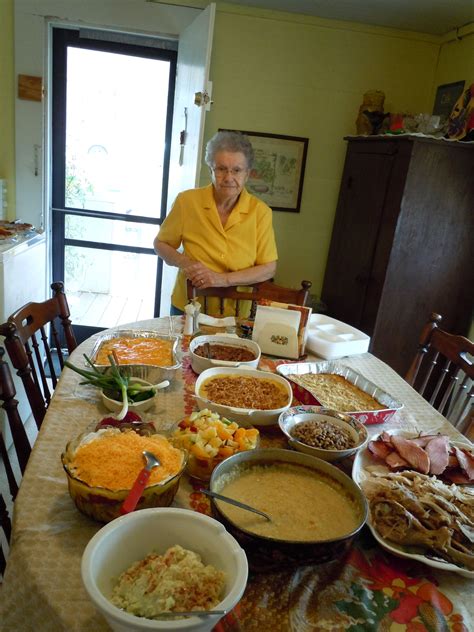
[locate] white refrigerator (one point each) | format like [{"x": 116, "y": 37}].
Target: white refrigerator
[{"x": 22, "y": 280}]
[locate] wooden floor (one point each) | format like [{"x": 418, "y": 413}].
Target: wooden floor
[{"x": 106, "y": 310}]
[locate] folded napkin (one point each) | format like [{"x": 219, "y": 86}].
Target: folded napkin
[{"x": 228, "y": 321}]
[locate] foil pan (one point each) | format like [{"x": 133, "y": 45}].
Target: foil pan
[
  {"x": 150, "y": 373},
  {"x": 304, "y": 396}
]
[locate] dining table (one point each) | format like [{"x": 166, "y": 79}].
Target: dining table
[{"x": 367, "y": 588}]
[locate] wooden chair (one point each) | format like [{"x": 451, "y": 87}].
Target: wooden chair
[
  {"x": 21, "y": 445},
  {"x": 6, "y": 528},
  {"x": 254, "y": 292},
  {"x": 443, "y": 372},
  {"x": 28, "y": 333}
]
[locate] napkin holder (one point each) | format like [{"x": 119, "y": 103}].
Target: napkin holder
[{"x": 276, "y": 331}]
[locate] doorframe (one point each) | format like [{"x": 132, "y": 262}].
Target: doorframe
[{"x": 61, "y": 38}]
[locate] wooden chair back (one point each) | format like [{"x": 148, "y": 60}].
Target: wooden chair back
[
  {"x": 33, "y": 334},
  {"x": 5, "y": 535},
  {"x": 442, "y": 372},
  {"x": 254, "y": 292},
  {"x": 21, "y": 445}
]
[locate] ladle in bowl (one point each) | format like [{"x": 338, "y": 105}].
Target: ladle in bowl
[
  {"x": 139, "y": 485},
  {"x": 237, "y": 503}
]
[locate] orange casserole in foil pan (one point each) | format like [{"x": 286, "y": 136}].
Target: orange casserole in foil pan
[{"x": 136, "y": 349}]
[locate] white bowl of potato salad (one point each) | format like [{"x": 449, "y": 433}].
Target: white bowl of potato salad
[{"x": 142, "y": 567}]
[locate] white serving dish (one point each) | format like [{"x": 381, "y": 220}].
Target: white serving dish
[
  {"x": 360, "y": 471},
  {"x": 115, "y": 405},
  {"x": 296, "y": 415},
  {"x": 200, "y": 364},
  {"x": 244, "y": 416},
  {"x": 132, "y": 537},
  {"x": 330, "y": 338}
]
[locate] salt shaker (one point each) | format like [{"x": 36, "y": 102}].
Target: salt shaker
[{"x": 189, "y": 310}]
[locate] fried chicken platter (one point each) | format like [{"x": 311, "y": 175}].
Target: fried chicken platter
[{"x": 416, "y": 513}]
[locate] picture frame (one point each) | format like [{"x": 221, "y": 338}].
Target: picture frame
[
  {"x": 446, "y": 96},
  {"x": 278, "y": 171}
]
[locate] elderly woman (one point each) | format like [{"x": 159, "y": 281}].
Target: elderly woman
[{"x": 226, "y": 233}]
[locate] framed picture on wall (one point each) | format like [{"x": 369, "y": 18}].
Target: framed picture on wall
[
  {"x": 446, "y": 96},
  {"x": 278, "y": 171}
]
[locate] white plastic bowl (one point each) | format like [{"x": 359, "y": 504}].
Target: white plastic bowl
[
  {"x": 244, "y": 416},
  {"x": 200, "y": 363},
  {"x": 301, "y": 414},
  {"x": 115, "y": 405},
  {"x": 133, "y": 536}
]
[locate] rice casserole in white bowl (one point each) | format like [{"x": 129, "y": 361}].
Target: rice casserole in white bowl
[{"x": 236, "y": 387}]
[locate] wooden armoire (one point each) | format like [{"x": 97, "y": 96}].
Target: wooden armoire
[{"x": 403, "y": 241}]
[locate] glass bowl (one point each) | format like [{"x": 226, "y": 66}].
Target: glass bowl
[
  {"x": 210, "y": 439},
  {"x": 103, "y": 504}
]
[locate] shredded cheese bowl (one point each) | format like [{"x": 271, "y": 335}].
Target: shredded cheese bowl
[
  {"x": 102, "y": 466},
  {"x": 135, "y": 536},
  {"x": 247, "y": 396},
  {"x": 301, "y": 494}
]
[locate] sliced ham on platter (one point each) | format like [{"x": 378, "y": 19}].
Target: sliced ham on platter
[{"x": 431, "y": 454}]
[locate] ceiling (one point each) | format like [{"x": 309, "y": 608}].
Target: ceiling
[{"x": 436, "y": 17}]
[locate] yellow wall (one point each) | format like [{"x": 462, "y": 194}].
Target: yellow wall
[
  {"x": 300, "y": 76},
  {"x": 456, "y": 60},
  {"x": 7, "y": 103},
  {"x": 295, "y": 75}
]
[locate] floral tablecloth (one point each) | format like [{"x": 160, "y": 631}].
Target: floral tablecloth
[{"x": 368, "y": 589}]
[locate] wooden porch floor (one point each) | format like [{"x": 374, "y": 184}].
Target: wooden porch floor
[{"x": 105, "y": 310}]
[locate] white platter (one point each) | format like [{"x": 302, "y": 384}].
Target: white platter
[{"x": 362, "y": 461}]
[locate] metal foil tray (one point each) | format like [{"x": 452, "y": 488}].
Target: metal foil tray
[
  {"x": 150, "y": 373},
  {"x": 305, "y": 396}
]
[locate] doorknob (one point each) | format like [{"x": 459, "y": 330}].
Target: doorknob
[{"x": 201, "y": 98}]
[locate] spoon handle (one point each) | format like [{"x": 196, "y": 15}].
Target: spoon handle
[
  {"x": 136, "y": 492},
  {"x": 237, "y": 503},
  {"x": 190, "y": 613}
]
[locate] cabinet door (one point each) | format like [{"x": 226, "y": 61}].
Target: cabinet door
[{"x": 359, "y": 211}]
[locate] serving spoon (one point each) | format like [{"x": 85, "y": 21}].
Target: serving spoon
[
  {"x": 139, "y": 485},
  {"x": 190, "y": 613},
  {"x": 237, "y": 503}
]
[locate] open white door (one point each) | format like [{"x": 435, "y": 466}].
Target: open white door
[{"x": 192, "y": 100}]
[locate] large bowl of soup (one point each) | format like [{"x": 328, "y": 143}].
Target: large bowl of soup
[{"x": 302, "y": 495}]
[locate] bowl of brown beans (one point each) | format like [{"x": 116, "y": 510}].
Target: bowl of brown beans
[
  {"x": 214, "y": 350},
  {"x": 322, "y": 432}
]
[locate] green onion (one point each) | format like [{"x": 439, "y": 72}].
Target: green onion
[{"x": 113, "y": 381}]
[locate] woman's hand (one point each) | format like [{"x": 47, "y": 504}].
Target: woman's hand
[{"x": 202, "y": 277}]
